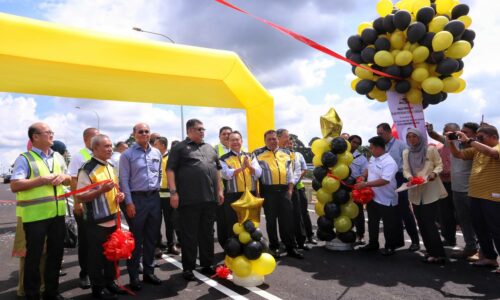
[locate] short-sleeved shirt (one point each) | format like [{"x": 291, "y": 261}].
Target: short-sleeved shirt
[
  {"x": 359, "y": 164},
  {"x": 384, "y": 167},
  {"x": 445, "y": 154},
  {"x": 483, "y": 182},
  {"x": 21, "y": 168},
  {"x": 77, "y": 162},
  {"x": 460, "y": 171},
  {"x": 195, "y": 167},
  {"x": 395, "y": 148}
]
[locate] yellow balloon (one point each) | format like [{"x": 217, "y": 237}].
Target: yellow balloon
[
  {"x": 350, "y": 209},
  {"x": 242, "y": 266},
  {"x": 378, "y": 94},
  {"x": 341, "y": 171},
  {"x": 466, "y": 20},
  {"x": 398, "y": 40},
  {"x": 414, "y": 96},
  {"x": 348, "y": 146},
  {"x": 363, "y": 26},
  {"x": 329, "y": 185},
  {"x": 317, "y": 161},
  {"x": 404, "y": 58},
  {"x": 458, "y": 74},
  {"x": 238, "y": 228},
  {"x": 418, "y": 4},
  {"x": 384, "y": 7},
  {"x": 421, "y": 65},
  {"x": 244, "y": 237},
  {"x": 420, "y": 54},
  {"x": 363, "y": 73},
  {"x": 395, "y": 52},
  {"x": 451, "y": 84},
  {"x": 228, "y": 261},
  {"x": 354, "y": 82},
  {"x": 383, "y": 58},
  {"x": 442, "y": 41},
  {"x": 415, "y": 84},
  {"x": 319, "y": 208},
  {"x": 264, "y": 265},
  {"x": 419, "y": 74},
  {"x": 342, "y": 223},
  {"x": 458, "y": 50},
  {"x": 345, "y": 158},
  {"x": 461, "y": 87},
  {"x": 432, "y": 71},
  {"x": 407, "y": 46},
  {"x": 443, "y": 6},
  {"x": 437, "y": 24},
  {"x": 432, "y": 85},
  {"x": 320, "y": 146}
]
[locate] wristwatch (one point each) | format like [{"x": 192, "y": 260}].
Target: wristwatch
[
  {"x": 172, "y": 192},
  {"x": 469, "y": 141}
]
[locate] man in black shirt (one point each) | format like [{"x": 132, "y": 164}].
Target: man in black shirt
[{"x": 195, "y": 190}]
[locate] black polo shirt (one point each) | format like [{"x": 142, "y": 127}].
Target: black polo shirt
[{"x": 195, "y": 167}]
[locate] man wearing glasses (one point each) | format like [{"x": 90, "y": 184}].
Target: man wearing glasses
[
  {"x": 140, "y": 176},
  {"x": 195, "y": 190},
  {"x": 37, "y": 180}
]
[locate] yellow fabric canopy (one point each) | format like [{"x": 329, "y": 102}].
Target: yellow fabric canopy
[{"x": 43, "y": 58}]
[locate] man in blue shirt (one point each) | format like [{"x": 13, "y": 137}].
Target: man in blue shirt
[{"x": 140, "y": 176}]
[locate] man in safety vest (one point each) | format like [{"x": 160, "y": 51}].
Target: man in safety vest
[
  {"x": 239, "y": 172},
  {"x": 276, "y": 186},
  {"x": 100, "y": 206},
  {"x": 77, "y": 161},
  {"x": 37, "y": 180},
  {"x": 223, "y": 146}
]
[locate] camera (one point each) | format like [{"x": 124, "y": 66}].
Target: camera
[{"x": 452, "y": 136}]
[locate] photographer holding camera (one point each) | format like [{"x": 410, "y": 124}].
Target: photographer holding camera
[{"x": 460, "y": 173}]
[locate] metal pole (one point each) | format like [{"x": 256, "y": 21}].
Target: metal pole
[{"x": 96, "y": 114}]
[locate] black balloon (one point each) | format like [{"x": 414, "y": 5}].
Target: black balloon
[
  {"x": 468, "y": 35},
  {"x": 406, "y": 71},
  {"x": 356, "y": 57},
  {"x": 383, "y": 83},
  {"x": 447, "y": 66},
  {"x": 459, "y": 10},
  {"x": 341, "y": 196},
  {"x": 393, "y": 70},
  {"x": 347, "y": 237},
  {"x": 416, "y": 32},
  {"x": 332, "y": 210},
  {"x": 320, "y": 172},
  {"x": 435, "y": 57},
  {"x": 382, "y": 43},
  {"x": 338, "y": 145},
  {"x": 425, "y": 104},
  {"x": 355, "y": 43},
  {"x": 349, "y": 181},
  {"x": 460, "y": 65},
  {"x": 364, "y": 86},
  {"x": 378, "y": 25},
  {"x": 425, "y": 15},
  {"x": 389, "y": 23},
  {"x": 455, "y": 27},
  {"x": 444, "y": 96},
  {"x": 348, "y": 53},
  {"x": 316, "y": 185},
  {"x": 427, "y": 40},
  {"x": 233, "y": 247},
  {"x": 369, "y": 35},
  {"x": 328, "y": 159},
  {"x": 252, "y": 250},
  {"x": 249, "y": 226},
  {"x": 324, "y": 223},
  {"x": 367, "y": 55},
  {"x": 403, "y": 86},
  {"x": 402, "y": 19},
  {"x": 325, "y": 235},
  {"x": 432, "y": 99},
  {"x": 256, "y": 235}
]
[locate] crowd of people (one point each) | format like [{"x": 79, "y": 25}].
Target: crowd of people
[{"x": 191, "y": 186}]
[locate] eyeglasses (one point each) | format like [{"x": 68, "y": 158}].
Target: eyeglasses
[
  {"x": 143, "y": 131},
  {"x": 48, "y": 132},
  {"x": 200, "y": 129}
]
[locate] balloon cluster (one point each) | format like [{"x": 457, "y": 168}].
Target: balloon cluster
[
  {"x": 119, "y": 245},
  {"x": 420, "y": 43},
  {"x": 246, "y": 252},
  {"x": 332, "y": 183}
]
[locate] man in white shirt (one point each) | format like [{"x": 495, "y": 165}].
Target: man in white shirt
[
  {"x": 381, "y": 177},
  {"x": 120, "y": 147}
]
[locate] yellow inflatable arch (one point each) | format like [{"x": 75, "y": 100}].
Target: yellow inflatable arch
[{"x": 42, "y": 58}]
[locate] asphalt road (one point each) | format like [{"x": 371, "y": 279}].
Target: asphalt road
[{"x": 321, "y": 275}]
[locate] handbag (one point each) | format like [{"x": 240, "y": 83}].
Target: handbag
[{"x": 71, "y": 230}]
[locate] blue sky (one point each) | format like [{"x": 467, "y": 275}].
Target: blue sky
[{"x": 304, "y": 82}]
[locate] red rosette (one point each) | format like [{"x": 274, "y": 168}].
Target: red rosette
[
  {"x": 119, "y": 245},
  {"x": 362, "y": 196},
  {"x": 222, "y": 272},
  {"x": 417, "y": 180}
]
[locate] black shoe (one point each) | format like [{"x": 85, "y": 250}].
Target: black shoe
[
  {"x": 158, "y": 253},
  {"x": 162, "y": 245},
  {"x": 135, "y": 284},
  {"x": 84, "y": 283},
  {"x": 387, "y": 251},
  {"x": 369, "y": 247},
  {"x": 208, "y": 271},
  {"x": 173, "y": 250},
  {"x": 275, "y": 253},
  {"x": 414, "y": 247},
  {"x": 151, "y": 278},
  {"x": 305, "y": 247},
  {"x": 115, "y": 289},
  {"x": 294, "y": 253},
  {"x": 312, "y": 240},
  {"x": 104, "y": 294},
  {"x": 188, "y": 275}
]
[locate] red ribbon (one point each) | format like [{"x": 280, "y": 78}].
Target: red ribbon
[
  {"x": 362, "y": 196},
  {"x": 307, "y": 41},
  {"x": 411, "y": 114}
]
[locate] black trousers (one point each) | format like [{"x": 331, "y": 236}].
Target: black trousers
[
  {"x": 278, "y": 208},
  {"x": 486, "y": 222},
  {"x": 298, "y": 223},
  {"x": 226, "y": 217},
  {"x": 196, "y": 224},
  {"x": 393, "y": 229},
  {"x": 170, "y": 219},
  {"x": 426, "y": 217},
  {"x": 304, "y": 202},
  {"x": 359, "y": 221},
  {"x": 447, "y": 216},
  {"x": 145, "y": 227},
  {"x": 405, "y": 212},
  {"x": 51, "y": 230},
  {"x": 101, "y": 270},
  {"x": 83, "y": 248}
]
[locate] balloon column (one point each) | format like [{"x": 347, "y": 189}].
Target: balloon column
[
  {"x": 246, "y": 251},
  {"x": 420, "y": 43},
  {"x": 332, "y": 182}
]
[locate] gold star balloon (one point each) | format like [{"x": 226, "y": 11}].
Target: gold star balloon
[
  {"x": 248, "y": 208},
  {"x": 331, "y": 124}
]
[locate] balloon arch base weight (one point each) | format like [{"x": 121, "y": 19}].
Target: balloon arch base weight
[
  {"x": 248, "y": 281},
  {"x": 338, "y": 245}
]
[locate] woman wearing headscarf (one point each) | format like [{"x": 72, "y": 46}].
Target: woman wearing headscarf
[{"x": 423, "y": 160}]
